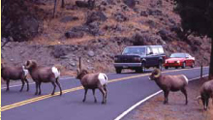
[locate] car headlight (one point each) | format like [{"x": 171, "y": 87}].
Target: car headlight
[
  {"x": 116, "y": 59},
  {"x": 178, "y": 61}
]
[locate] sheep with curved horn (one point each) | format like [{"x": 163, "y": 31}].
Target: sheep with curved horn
[
  {"x": 206, "y": 92},
  {"x": 93, "y": 81},
  {"x": 41, "y": 74},
  {"x": 170, "y": 83}
]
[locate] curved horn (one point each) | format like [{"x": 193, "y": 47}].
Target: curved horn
[
  {"x": 198, "y": 98},
  {"x": 158, "y": 73},
  {"x": 27, "y": 63}
]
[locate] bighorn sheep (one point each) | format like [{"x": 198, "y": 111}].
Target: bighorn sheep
[
  {"x": 41, "y": 74},
  {"x": 14, "y": 73},
  {"x": 206, "y": 92},
  {"x": 170, "y": 83},
  {"x": 93, "y": 81}
]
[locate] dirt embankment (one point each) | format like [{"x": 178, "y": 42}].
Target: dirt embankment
[
  {"x": 176, "y": 109},
  {"x": 96, "y": 35}
]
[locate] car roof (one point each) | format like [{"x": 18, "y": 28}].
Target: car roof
[
  {"x": 145, "y": 46},
  {"x": 180, "y": 53}
]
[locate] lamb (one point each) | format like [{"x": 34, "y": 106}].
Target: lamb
[
  {"x": 170, "y": 83},
  {"x": 41, "y": 74},
  {"x": 93, "y": 81},
  {"x": 206, "y": 92},
  {"x": 14, "y": 73}
]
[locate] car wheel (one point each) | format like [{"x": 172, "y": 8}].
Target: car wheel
[
  {"x": 184, "y": 65},
  {"x": 193, "y": 65},
  {"x": 166, "y": 67},
  {"x": 176, "y": 67},
  {"x": 118, "y": 70}
]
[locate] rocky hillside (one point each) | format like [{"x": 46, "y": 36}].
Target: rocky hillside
[{"x": 96, "y": 34}]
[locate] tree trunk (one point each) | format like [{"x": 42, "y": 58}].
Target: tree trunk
[
  {"x": 54, "y": 9},
  {"x": 211, "y": 63}
]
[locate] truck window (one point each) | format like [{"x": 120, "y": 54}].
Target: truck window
[
  {"x": 148, "y": 50},
  {"x": 155, "y": 50},
  {"x": 160, "y": 49}
]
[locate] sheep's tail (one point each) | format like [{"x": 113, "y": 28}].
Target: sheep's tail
[
  {"x": 56, "y": 69},
  {"x": 25, "y": 71},
  {"x": 103, "y": 78},
  {"x": 186, "y": 79}
]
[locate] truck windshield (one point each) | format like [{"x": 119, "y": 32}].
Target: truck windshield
[
  {"x": 178, "y": 55},
  {"x": 134, "y": 50}
]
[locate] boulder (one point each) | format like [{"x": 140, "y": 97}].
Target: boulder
[
  {"x": 74, "y": 34},
  {"x": 130, "y": 3}
]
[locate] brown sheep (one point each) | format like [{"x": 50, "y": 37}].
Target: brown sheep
[
  {"x": 206, "y": 92},
  {"x": 93, "y": 81},
  {"x": 170, "y": 83},
  {"x": 14, "y": 73},
  {"x": 41, "y": 74}
]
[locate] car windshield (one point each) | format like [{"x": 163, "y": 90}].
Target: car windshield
[
  {"x": 134, "y": 50},
  {"x": 178, "y": 55}
]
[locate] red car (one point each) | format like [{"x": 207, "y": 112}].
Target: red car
[{"x": 179, "y": 60}]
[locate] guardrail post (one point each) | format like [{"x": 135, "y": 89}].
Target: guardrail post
[
  {"x": 201, "y": 70},
  {"x": 80, "y": 63}
]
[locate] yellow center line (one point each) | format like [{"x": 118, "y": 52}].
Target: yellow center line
[{"x": 32, "y": 100}]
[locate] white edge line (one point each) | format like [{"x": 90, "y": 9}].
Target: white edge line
[
  {"x": 34, "y": 83},
  {"x": 144, "y": 100}
]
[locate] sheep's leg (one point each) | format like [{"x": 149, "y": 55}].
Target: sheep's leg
[
  {"x": 93, "y": 90},
  {"x": 27, "y": 83},
  {"x": 207, "y": 102},
  {"x": 105, "y": 91},
  {"x": 54, "y": 86},
  {"x": 185, "y": 93},
  {"x": 8, "y": 82},
  {"x": 212, "y": 99},
  {"x": 166, "y": 94},
  {"x": 36, "y": 88},
  {"x": 39, "y": 87},
  {"x": 104, "y": 95},
  {"x": 59, "y": 86},
  {"x": 85, "y": 94},
  {"x": 22, "y": 86}
]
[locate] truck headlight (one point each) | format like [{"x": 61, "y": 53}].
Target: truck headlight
[
  {"x": 178, "y": 61},
  {"x": 116, "y": 59},
  {"x": 137, "y": 59}
]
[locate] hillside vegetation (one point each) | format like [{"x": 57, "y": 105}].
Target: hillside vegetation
[{"x": 95, "y": 34}]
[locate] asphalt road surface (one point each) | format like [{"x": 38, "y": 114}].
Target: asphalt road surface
[{"x": 124, "y": 90}]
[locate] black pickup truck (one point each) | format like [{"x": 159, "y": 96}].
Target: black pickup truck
[{"x": 140, "y": 57}]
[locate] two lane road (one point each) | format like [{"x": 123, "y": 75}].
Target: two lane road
[{"x": 124, "y": 90}]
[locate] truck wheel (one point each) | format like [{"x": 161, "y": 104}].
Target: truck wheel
[
  {"x": 140, "y": 70},
  {"x": 118, "y": 70},
  {"x": 166, "y": 67},
  {"x": 160, "y": 65}
]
